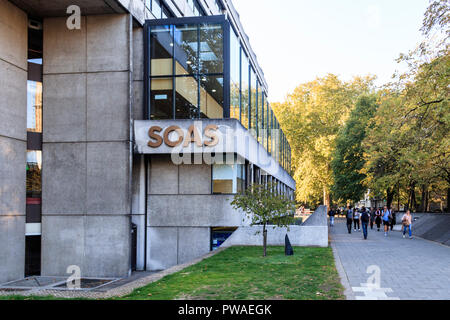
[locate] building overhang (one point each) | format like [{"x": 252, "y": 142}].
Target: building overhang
[{"x": 213, "y": 138}]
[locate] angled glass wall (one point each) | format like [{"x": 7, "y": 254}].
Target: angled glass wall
[{"x": 199, "y": 67}]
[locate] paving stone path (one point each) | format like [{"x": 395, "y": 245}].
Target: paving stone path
[{"x": 390, "y": 268}]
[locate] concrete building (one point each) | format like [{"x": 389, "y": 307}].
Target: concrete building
[{"x": 125, "y": 128}]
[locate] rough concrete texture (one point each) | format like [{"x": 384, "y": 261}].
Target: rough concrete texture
[
  {"x": 99, "y": 245},
  {"x": 108, "y": 113},
  {"x": 195, "y": 179},
  {"x": 195, "y": 211},
  {"x": 176, "y": 245},
  {"x": 13, "y": 135},
  {"x": 64, "y": 178},
  {"x": 318, "y": 218},
  {"x": 13, "y": 35},
  {"x": 12, "y": 251},
  {"x": 107, "y": 189},
  {"x": 312, "y": 236},
  {"x": 108, "y": 42},
  {"x": 64, "y": 114},
  {"x": 434, "y": 227},
  {"x": 315, "y": 233},
  {"x": 12, "y": 177},
  {"x": 163, "y": 176},
  {"x": 87, "y": 149}
]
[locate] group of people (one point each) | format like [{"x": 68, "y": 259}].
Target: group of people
[{"x": 363, "y": 218}]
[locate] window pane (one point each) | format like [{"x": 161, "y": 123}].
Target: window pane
[
  {"x": 156, "y": 8},
  {"x": 161, "y": 46},
  {"x": 211, "y": 48},
  {"x": 253, "y": 101},
  {"x": 186, "y": 98},
  {"x": 235, "y": 64},
  {"x": 186, "y": 49},
  {"x": 34, "y": 106},
  {"x": 211, "y": 97},
  {"x": 228, "y": 179},
  {"x": 245, "y": 91},
  {"x": 161, "y": 99},
  {"x": 34, "y": 166},
  {"x": 260, "y": 112}
]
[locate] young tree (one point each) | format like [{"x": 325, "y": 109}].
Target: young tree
[{"x": 263, "y": 205}]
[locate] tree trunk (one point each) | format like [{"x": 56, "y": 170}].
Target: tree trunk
[
  {"x": 413, "y": 198},
  {"x": 424, "y": 202},
  {"x": 448, "y": 199},
  {"x": 265, "y": 240},
  {"x": 390, "y": 197}
]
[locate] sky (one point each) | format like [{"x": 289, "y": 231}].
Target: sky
[{"x": 297, "y": 41}]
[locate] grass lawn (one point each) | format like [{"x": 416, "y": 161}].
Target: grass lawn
[{"x": 240, "y": 273}]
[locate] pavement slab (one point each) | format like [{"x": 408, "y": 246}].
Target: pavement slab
[{"x": 390, "y": 268}]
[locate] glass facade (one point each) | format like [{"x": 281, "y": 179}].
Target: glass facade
[{"x": 199, "y": 68}]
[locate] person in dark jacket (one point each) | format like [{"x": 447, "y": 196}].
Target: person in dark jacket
[
  {"x": 365, "y": 219},
  {"x": 378, "y": 218},
  {"x": 332, "y": 213},
  {"x": 372, "y": 217},
  {"x": 393, "y": 220},
  {"x": 349, "y": 216}
]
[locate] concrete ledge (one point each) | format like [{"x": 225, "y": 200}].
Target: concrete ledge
[{"x": 300, "y": 236}]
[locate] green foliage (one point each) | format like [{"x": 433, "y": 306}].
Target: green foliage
[
  {"x": 348, "y": 160},
  {"x": 262, "y": 205},
  {"x": 240, "y": 273},
  {"x": 311, "y": 118}
]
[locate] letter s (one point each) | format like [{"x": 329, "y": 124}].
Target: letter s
[
  {"x": 210, "y": 132},
  {"x": 152, "y": 134}
]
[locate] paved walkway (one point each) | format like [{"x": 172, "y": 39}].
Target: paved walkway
[{"x": 407, "y": 269}]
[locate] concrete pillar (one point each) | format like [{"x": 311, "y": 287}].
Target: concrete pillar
[
  {"x": 87, "y": 157},
  {"x": 13, "y": 135}
]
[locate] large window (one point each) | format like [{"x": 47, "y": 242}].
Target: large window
[
  {"x": 228, "y": 179},
  {"x": 187, "y": 71},
  {"x": 200, "y": 68}
]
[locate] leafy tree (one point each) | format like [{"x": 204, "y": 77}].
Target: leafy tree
[
  {"x": 348, "y": 158},
  {"x": 263, "y": 205},
  {"x": 311, "y": 117}
]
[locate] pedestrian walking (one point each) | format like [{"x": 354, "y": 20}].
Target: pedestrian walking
[
  {"x": 365, "y": 219},
  {"x": 378, "y": 218},
  {"x": 372, "y": 217},
  {"x": 407, "y": 222},
  {"x": 356, "y": 217},
  {"x": 393, "y": 220},
  {"x": 332, "y": 213},
  {"x": 349, "y": 216},
  {"x": 387, "y": 218}
]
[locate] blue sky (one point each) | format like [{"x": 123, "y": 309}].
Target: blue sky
[{"x": 298, "y": 40}]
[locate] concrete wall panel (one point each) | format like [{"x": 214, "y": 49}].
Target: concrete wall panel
[
  {"x": 195, "y": 211},
  {"x": 108, "y": 43},
  {"x": 162, "y": 248},
  {"x": 107, "y": 189},
  {"x": 63, "y": 244},
  {"x": 108, "y": 113},
  {"x": 64, "y": 114},
  {"x": 64, "y": 49},
  {"x": 64, "y": 178},
  {"x": 13, "y": 35},
  {"x": 163, "y": 177},
  {"x": 12, "y": 177},
  {"x": 193, "y": 243},
  {"x": 12, "y": 252},
  {"x": 195, "y": 179},
  {"x": 108, "y": 246},
  {"x": 13, "y": 101}
]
